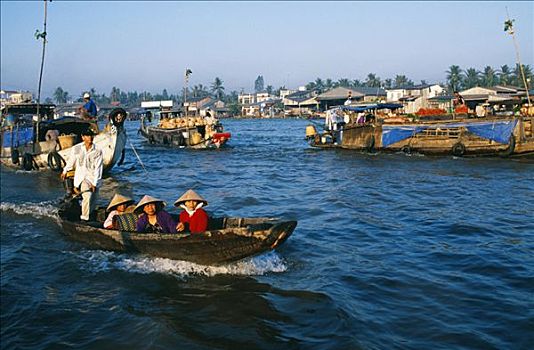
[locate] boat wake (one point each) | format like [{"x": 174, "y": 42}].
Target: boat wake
[
  {"x": 38, "y": 210},
  {"x": 103, "y": 261}
]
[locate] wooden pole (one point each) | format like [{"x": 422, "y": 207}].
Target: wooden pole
[
  {"x": 43, "y": 36},
  {"x": 512, "y": 32}
]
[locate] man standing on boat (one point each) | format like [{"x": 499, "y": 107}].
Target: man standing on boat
[
  {"x": 89, "y": 110},
  {"x": 87, "y": 161}
]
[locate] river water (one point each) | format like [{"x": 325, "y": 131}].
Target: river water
[{"x": 390, "y": 252}]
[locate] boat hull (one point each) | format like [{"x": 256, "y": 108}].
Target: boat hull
[
  {"x": 112, "y": 142},
  {"x": 182, "y": 137},
  {"x": 458, "y": 138},
  {"x": 240, "y": 238}
]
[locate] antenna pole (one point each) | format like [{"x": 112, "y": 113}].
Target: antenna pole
[{"x": 511, "y": 31}]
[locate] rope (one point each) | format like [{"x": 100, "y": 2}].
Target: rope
[{"x": 138, "y": 158}]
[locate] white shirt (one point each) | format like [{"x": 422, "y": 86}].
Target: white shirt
[
  {"x": 109, "y": 221},
  {"x": 87, "y": 163}
]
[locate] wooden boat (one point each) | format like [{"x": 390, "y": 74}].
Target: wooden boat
[
  {"x": 184, "y": 132},
  {"x": 227, "y": 240},
  {"x": 30, "y": 144},
  {"x": 504, "y": 136}
]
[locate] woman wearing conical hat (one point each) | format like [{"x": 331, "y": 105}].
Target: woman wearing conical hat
[
  {"x": 118, "y": 205},
  {"x": 193, "y": 218},
  {"x": 153, "y": 218}
]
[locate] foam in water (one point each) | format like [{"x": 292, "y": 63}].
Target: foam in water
[
  {"x": 38, "y": 210},
  {"x": 101, "y": 261}
]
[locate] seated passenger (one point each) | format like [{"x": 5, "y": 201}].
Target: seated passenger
[
  {"x": 153, "y": 218},
  {"x": 193, "y": 218},
  {"x": 118, "y": 205}
]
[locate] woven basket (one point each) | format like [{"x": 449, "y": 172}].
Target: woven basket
[{"x": 66, "y": 141}]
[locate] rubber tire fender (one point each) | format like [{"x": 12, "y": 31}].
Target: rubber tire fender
[
  {"x": 15, "y": 156},
  {"x": 458, "y": 149},
  {"x": 114, "y": 114},
  {"x": 55, "y": 161},
  {"x": 27, "y": 162},
  {"x": 151, "y": 139},
  {"x": 406, "y": 149},
  {"x": 371, "y": 144},
  {"x": 511, "y": 147}
]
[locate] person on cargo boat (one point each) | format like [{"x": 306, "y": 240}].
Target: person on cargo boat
[
  {"x": 88, "y": 110},
  {"x": 87, "y": 160},
  {"x": 153, "y": 218},
  {"x": 193, "y": 218},
  {"x": 458, "y": 99},
  {"x": 119, "y": 205}
]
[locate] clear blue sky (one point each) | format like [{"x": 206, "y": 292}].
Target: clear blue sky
[{"x": 147, "y": 45}]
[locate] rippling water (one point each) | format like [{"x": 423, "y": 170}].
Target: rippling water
[{"x": 391, "y": 252}]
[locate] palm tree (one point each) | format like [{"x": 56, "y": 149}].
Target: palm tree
[
  {"x": 217, "y": 88},
  {"x": 401, "y": 80},
  {"x": 269, "y": 89},
  {"x": 319, "y": 84},
  {"x": 356, "y": 83},
  {"x": 454, "y": 78},
  {"x": 528, "y": 75},
  {"x": 388, "y": 83},
  {"x": 372, "y": 80},
  {"x": 344, "y": 82},
  {"x": 328, "y": 84},
  {"x": 471, "y": 78},
  {"x": 505, "y": 75},
  {"x": 489, "y": 77},
  {"x": 115, "y": 94},
  {"x": 61, "y": 96},
  {"x": 311, "y": 85}
]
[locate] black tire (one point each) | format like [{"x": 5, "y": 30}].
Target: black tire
[
  {"x": 27, "y": 162},
  {"x": 371, "y": 144},
  {"x": 151, "y": 139},
  {"x": 15, "y": 156},
  {"x": 511, "y": 148},
  {"x": 55, "y": 162},
  {"x": 165, "y": 140},
  {"x": 458, "y": 149},
  {"x": 114, "y": 116},
  {"x": 406, "y": 149}
]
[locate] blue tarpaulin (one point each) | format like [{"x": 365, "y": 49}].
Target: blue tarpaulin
[
  {"x": 394, "y": 134},
  {"x": 21, "y": 137},
  {"x": 498, "y": 131}
]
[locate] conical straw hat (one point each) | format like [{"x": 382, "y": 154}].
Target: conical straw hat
[
  {"x": 146, "y": 200},
  {"x": 190, "y": 195},
  {"x": 119, "y": 199}
]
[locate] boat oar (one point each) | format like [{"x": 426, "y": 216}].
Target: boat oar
[{"x": 138, "y": 158}]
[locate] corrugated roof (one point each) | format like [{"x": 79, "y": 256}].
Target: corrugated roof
[{"x": 339, "y": 93}]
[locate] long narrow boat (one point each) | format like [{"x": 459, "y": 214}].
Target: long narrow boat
[
  {"x": 227, "y": 240},
  {"x": 510, "y": 136},
  {"x": 185, "y": 132},
  {"x": 39, "y": 145}
]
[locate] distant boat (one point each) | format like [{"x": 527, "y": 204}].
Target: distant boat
[
  {"x": 504, "y": 136},
  {"x": 227, "y": 239},
  {"x": 176, "y": 130},
  {"x": 39, "y": 145}
]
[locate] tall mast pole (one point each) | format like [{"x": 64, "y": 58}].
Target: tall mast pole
[
  {"x": 509, "y": 27},
  {"x": 40, "y": 36}
]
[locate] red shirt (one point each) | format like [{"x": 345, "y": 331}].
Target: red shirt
[{"x": 198, "y": 222}]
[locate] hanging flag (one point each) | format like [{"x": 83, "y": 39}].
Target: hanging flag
[
  {"x": 509, "y": 26},
  {"x": 187, "y": 74}
]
